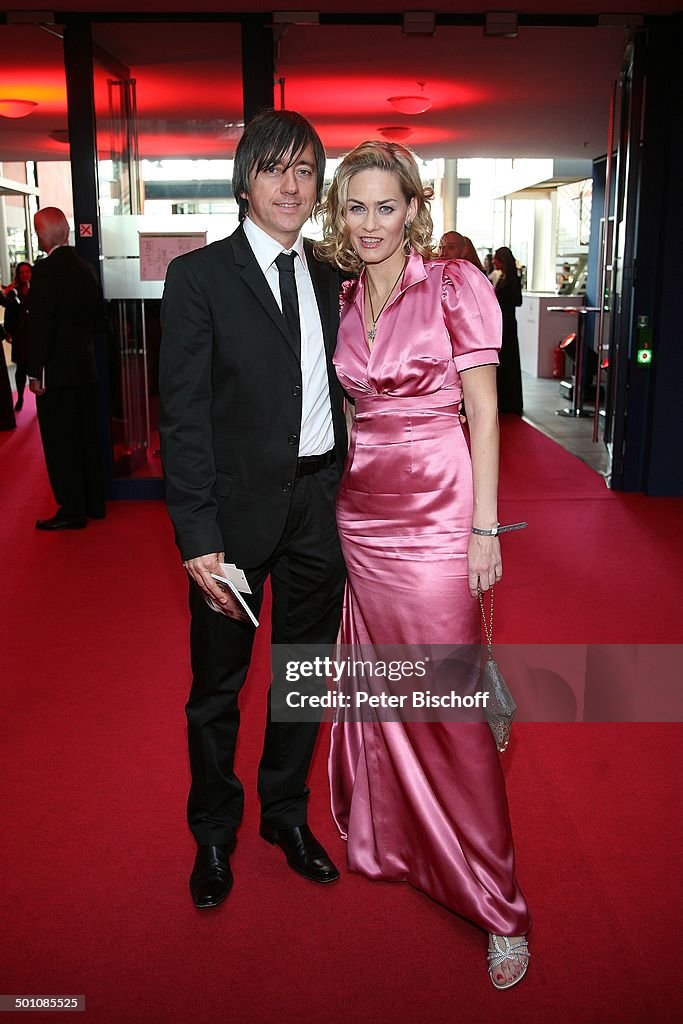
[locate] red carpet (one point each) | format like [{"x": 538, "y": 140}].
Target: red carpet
[{"x": 96, "y": 854}]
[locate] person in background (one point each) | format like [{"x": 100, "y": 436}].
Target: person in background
[
  {"x": 489, "y": 268},
  {"x": 63, "y": 311},
  {"x": 454, "y": 246},
  {"x": 7, "y": 417},
  {"x": 509, "y": 294},
  {"x": 16, "y": 325},
  {"x": 565, "y": 280}
]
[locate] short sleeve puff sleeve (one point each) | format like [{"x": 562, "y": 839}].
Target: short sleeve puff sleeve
[{"x": 472, "y": 315}]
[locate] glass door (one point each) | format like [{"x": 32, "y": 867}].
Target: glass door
[
  {"x": 169, "y": 115},
  {"x": 618, "y": 246},
  {"x": 117, "y": 134}
]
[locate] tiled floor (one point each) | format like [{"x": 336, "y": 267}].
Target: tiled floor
[{"x": 541, "y": 400}]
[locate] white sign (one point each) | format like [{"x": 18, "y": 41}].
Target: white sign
[{"x": 157, "y": 251}]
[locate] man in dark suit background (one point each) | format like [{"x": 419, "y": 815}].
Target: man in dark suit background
[
  {"x": 63, "y": 308},
  {"x": 253, "y": 439}
]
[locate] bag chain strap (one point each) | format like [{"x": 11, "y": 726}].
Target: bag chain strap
[{"x": 488, "y": 626}]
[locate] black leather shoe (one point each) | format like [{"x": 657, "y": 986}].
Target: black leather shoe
[
  {"x": 211, "y": 878},
  {"x": 303, "y": 851},
  {"x": 61, "y": 522}
]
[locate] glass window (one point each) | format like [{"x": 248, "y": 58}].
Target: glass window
[{"x": 169, "y": 115}]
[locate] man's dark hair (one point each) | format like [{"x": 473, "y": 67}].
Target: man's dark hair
[{"x": 267, "y": 140}]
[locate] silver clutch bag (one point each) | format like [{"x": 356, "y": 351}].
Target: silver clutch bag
[{"x": 500, "y": 706}]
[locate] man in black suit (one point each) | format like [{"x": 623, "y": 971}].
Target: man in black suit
[
  {"x": 63, "y": 308},
  {"x": 253, "y": 440}
]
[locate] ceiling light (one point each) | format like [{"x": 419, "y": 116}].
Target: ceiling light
[
  {"x": 16, "y": 108},
  {"x": 411, "y": 104},
  {"x": 396, "y": 132}
]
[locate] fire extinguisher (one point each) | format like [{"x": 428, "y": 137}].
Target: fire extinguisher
[{"x": 558, "y": 362}]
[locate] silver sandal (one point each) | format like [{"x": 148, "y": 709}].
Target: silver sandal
[{"x": 515, "y": 952}]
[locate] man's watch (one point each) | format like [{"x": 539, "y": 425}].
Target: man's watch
[{"x": 498, "y": 529}]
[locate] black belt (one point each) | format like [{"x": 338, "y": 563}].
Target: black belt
[{"x": 308, "y": 464}]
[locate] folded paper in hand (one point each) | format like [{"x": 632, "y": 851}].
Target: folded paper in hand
[{"x": 231, "y": 583}]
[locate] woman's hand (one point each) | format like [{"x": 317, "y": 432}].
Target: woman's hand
[{"x": 484, "y": 563}]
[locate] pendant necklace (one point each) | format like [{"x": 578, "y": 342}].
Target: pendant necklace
[{"x": 372, "y": 331}]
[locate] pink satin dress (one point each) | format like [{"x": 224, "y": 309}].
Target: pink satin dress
[{"x": 420, "y": 802}]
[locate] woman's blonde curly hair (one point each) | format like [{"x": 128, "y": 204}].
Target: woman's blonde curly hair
[{"x": 383, "y": 156}]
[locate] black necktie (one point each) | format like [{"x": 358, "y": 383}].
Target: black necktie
[{"x": 288, "y": 295}]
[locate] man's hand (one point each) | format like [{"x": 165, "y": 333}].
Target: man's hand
[
  {"x": 36, "y": 387},
  {"x": 199, "y": 570}
]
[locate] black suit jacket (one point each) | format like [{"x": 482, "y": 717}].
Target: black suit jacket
[
  {"x": 231, "y": 394},
  {"x": 63, "y": 311}
]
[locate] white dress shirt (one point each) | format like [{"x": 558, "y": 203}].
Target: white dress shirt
[{"x": 317, "y": 434}]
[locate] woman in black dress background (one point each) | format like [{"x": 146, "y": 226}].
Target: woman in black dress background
[
  {"x": 16, "y": 325},
  {"x": 7, "y": 420},
  {"x": 509, "y": 295}
]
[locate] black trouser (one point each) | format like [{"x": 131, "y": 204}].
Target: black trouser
[
  {"x": 307, "y": 581},
  {"x": 20, "y": 379},
  {"x": 68, "y": 428}
]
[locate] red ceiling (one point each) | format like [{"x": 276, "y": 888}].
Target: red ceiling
[{"x": 544, "y": 93}]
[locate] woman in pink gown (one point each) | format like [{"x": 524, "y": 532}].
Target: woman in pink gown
[{"x": 422, "y": 802}]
